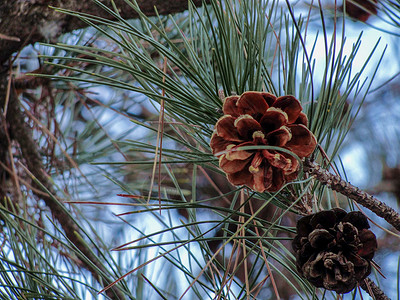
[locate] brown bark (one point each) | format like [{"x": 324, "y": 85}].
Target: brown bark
[
  {"x": 373, "y": 290},
  {"x": 345, "y": 188},
  {"x": 27, "y": 22}
]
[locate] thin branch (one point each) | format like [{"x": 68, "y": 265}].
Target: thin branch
[
  {"x": 369, "y": 286},
  {"x": 337, "y": 184}
]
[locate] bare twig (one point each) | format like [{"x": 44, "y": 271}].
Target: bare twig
[
  {"x": 369, "y": 286},
  {"x": 336, "y": 183},
  {"x": 9, "y": 38}
]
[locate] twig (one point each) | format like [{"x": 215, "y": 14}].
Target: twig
[
  {"x": 9, "y": 38},
  {"x": 369, "y": 286},
  {"x": 345, "y": 188}
]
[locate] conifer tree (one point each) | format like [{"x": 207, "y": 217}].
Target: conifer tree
[{"x": 197, "y": 150}]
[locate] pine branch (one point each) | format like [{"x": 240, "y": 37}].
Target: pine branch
[
  {"x": 34, "y": 21},
  {"x": 345, "y": 188},
  {"x": 21, "y": 133},
  {"x": 370, "y": 287}
]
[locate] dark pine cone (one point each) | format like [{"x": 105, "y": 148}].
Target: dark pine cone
[{"x": 334, "y": 249}]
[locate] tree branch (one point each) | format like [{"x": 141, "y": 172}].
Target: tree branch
[
  {"x": 26, "y": 22},
  {"x": 33, "y": 160},
  {"x": 345, "y": 188},
  {"x": 373, "y": 290}
]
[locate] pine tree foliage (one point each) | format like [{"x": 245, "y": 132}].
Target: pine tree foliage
[{"x": 134, "y": 111}]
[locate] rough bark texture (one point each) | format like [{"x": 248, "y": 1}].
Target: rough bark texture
[
  {"x": 345, "y": 188},
  {"x": 27, "y": 22},
  {"x": 369, "y": 286}
]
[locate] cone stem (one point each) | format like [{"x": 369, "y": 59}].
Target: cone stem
[
  {"x": 339, "y": 185},
  {"x": 370, "y": 287}
]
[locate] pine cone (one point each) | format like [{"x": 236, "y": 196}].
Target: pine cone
[
  {"x": 334, "y": 249},
  {"x": 261, "y": 119},
  {"x": 360, "y": 9}
]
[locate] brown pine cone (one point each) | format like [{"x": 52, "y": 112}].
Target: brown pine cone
[
  {"x": 334, "y": 249},
  {"x": 261, "y": 119}
]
